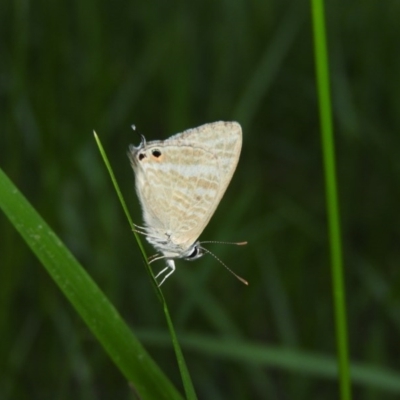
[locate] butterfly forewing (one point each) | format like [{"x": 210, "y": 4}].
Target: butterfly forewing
[{"x": 223, "y": 139}]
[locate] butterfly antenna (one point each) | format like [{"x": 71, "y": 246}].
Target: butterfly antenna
[
  {"x": 234, "y": 243},
  {"x": 212, "y": 254}
]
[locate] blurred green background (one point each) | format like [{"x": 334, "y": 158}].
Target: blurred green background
[{"x": 68, "y": 67}]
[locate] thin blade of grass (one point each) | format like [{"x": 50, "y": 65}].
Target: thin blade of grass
[
  {"x": 187, "y": 382},
  {"x": 322, "y": 70},
  {"x": 88, "y": 300},
  {"x": 316, "y": 365},
  {"x": 123, "y": 204}
]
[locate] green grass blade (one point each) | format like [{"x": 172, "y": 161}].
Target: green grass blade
[
  {"x": 187, "y": 382},
  {"x": 87, "y": 299},
  {"x": 123, "y": 204},
  {"x": 315, "y": 365},
  {"x": 322, "y": 70}
]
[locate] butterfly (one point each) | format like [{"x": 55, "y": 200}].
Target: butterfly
[{"x": 179, "y": 182}]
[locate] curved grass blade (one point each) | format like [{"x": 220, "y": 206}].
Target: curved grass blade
[
  {"x": 187, "y": 382},
  {"x": 88, "y": 300}
]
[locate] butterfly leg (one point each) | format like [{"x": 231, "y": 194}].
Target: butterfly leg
[{"x": 171, "y": 266}]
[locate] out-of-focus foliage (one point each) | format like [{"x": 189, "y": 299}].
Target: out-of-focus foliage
[{"x": 70, "y": 67}]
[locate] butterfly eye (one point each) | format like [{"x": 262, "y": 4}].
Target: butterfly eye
[
  {"x": 141, "y": 156},
  {"x": 156, "y": 153},
  {"x": 194, "y": 253}
]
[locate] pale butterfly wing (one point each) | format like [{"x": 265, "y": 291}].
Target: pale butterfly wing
[
  {"x": 180, "y": 182},
  {"x": 179, "y": 201},
  {"x": 223, "y": 139}
]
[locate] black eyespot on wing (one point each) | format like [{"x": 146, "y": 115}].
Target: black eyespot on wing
[
  {"x": 141, "y": 156},
  {"x": 156, "y": 153}
]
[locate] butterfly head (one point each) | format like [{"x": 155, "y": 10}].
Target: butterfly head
[{"x": 194, "y": 252}]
